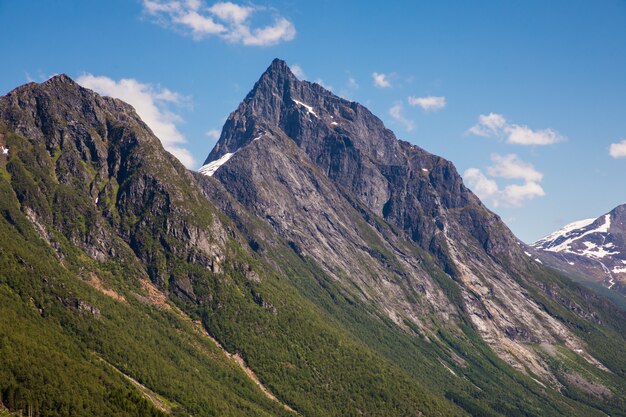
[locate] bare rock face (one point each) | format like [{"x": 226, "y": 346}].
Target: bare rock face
[
  {"x": 114, "y": 191},
  {"x": 593, "y": 248},
  {"x": 315, "y": 213},
  {"x": 374, "y": 211},
  {"x": 407, "y": 186}
]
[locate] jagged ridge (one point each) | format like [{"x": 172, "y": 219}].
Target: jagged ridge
[
  {"x": 329, "y": 177},
  {"x": 304, "y": 277}
]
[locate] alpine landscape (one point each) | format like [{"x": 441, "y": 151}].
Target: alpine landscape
[{"x": 313, "y": 265}]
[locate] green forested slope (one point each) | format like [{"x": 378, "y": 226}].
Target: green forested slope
[
  {"x": 61, "y": 339},
  {"x": 110, "y": 255}
]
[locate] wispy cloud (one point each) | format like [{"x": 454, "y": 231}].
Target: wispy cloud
[
  {"x": 397, "y": 113},
  {"x": 352, "y": 83},
  {"x": 515, "y": 195},
  {"x": 213, "y": 134},
  {"x": 618, "y": 150},
  {"x": 153, "y": 104},
  {"x": 509, "y": 167},
  {"x": 496, "y": 125},
  {"x": 349, "y": 88},
  {"x": 381, "y": 80},
  {"x": 430, "y": 103},
  {"x": 298, "y": 71},
  {"x": 225, "y": 20}
]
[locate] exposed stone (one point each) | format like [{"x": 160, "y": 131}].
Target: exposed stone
[{"x": 342, "y": 191}]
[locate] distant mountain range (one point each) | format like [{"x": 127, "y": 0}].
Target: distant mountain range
[
  {"x": 315, "y": 265},
  {"x": 593, "y": 247}
]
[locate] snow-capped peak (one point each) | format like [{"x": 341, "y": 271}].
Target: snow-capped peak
[
  {"x": 588, "y": 238},
  {"x": 562, "y": 235}
]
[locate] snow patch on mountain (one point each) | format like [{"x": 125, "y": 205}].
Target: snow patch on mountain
[
  {"x": 596, "y": 248},
  {"x": 619, "y": 270},
  {"x": 308, "y": 108},
  {"x": 606, "y": 226},
  {"x": 212, "y": 167},
  {"x": 596, "y": 251},
  {"x": 566, "y": 233},
  {"x": 562, "y": 240}
]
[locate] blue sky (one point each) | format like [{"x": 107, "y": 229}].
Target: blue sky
[{"x": 548, "y": 78}]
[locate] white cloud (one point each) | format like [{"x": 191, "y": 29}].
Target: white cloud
[
  {"x": 514, "y": 195},
  {"x": 381, "y": 80},
  {"x": 488, "y": 125},
  {"x": 523, "y": 135},
  {"x": 496, "y": 125},
  {"x": 298, "y": 71},
  {"x": 213, "y": 134},
  {"x": 618, "y": 150},
  {"x": 226, "y": 20},
  {"x": 482, "y": 186},
  {"x": 397, "y": 113},
  {"x": 200, "y": 26},
  {"x": 152, "y": 104},
  {"x": 230, "y": 12},
  {"x": 352, "y": 84},
  {"x": 512, "y": 167},
  {"x": 321, "y": 82},
  {"x": 430, "y": 103},
  {"x": 509, "y": 167}
]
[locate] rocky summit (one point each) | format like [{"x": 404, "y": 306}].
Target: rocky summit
[
  {"x": 372, "y": 211},
  {"x": 315, "y": 265}
]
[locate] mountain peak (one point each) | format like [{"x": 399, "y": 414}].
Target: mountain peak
[
  {"x": 276, "y": 79},
  {"x": 61, "y": 79},
  {"x": 594, "y": 247},
  {"x": 60, "y": 82},
  {"x": 274, "y": 95},
  {"x": 278, "y": 66}
]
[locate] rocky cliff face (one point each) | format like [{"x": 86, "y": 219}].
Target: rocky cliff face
[
  {"x": 92, "y": 209},
  {"x": 353, "y": 272},
  {"x": 595, "y": 248},
  {"x": 407, "y": 186},
  {"x": 87, "y": 183},
  {"x": 112, "y": 186},
  {"x": 373, "y": 211}
]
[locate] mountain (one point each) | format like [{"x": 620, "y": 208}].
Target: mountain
[
  {"x": 96, "y": 223},
  {"x": 594, "y": 247},
  {"x": 316, "y": 265},
  {"x": 386, "y": 220}
]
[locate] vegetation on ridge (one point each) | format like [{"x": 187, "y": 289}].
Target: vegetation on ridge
[{"x": 77, "y": 312}]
